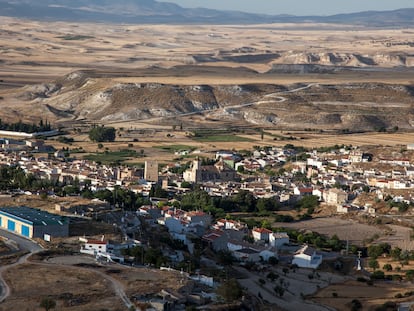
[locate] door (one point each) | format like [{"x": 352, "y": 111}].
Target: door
[
  {"x": 25, "y": 231},
  {"x": 11, "y": 225}
]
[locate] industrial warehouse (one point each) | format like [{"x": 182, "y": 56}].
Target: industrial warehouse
[{"x": 33, "y": 223}]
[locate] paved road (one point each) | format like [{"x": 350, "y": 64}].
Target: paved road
[{"x": 23, "y": 243}]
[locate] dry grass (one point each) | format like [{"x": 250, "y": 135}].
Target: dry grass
[
  {"x": 82, "y": 288},
  {"x": 73, "y": 289},
  {"x": 369, "y": 296},
  {"x": 345, "y": 229}
]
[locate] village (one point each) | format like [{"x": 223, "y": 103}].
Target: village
[{"x": 199, "y": 210}]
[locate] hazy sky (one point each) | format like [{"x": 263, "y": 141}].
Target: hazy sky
[{"x": 298, "y": 7}]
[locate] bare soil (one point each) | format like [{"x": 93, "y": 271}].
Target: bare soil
[{"x": 368, "y": 295}]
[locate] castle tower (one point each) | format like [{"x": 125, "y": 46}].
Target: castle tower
[{"x": 151, "y": 171}]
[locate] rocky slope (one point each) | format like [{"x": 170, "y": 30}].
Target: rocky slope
[
  {"x": 284, "y": 60},
  {"x": 79, "y": 97}
]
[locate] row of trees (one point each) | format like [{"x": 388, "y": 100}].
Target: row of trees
[{"x": 42, "y": 126}]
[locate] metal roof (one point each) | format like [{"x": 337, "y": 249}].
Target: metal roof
[{"x": 33, "y": 216}]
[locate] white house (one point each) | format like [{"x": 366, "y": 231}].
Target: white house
[
  {"x": 101, "y": 249},
  {"x": 277, "y": 239},
  {"x": 261, "y": 234},
  {"x": 306, "y": 257},
  {"x": 93, "y": 247}
]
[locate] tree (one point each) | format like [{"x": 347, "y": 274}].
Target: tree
[
  {"x": 273, "y": 261},
  {"x": 279, "y": 290},
  {"x": 267, "y": 204},
  {"x": 409, "y": 275},
  {"x": 309, "y": 202},
  {"x": 230, "y": 290},
  {"x": 272, "y": 276},
  {"x": 375, "y": 251},
  {"x": 387, "y": 267},
  {"x": 47, "y": 303},
  {"x": 396, "y": 253},
  {"x": 102, "y": 134},
  {"x": 373, "y": 264},
  {"x": 197, "y": 199}
]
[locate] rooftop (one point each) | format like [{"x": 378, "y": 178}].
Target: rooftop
[{"x": 33, "y": 216}]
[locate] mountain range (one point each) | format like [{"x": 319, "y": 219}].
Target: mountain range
[{"x": 151, "y": 11}]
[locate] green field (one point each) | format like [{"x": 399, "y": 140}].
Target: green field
[{"x": 108, "y": 157}]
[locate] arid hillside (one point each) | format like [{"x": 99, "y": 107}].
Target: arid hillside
[{"x": 91, "y": 97}]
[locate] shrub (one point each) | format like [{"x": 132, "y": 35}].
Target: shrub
[
  {"x": 387, "y": 267},
  {"x": 356, "y": 305},
  {"x": 378, "y": 275}
]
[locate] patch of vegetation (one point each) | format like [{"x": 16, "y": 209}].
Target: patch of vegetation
[
  {"x": 175, "y": 148},
  {"x": 113, "y": 157},
  {"x": 65, "y": 140},
  {"x": 75, "y": 37},
  {"x": 284, "y": 218},
  {"x": 222, "y": 138},
  {"x": 230, "y": 290},
  {"x": 102, "y": 134}
]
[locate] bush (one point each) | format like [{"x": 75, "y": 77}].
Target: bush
[
  {"x": 409, "y": 275},
  {"x": 389, "y": 305},
  {"x": 356, "y": 305},
  {"x": 230, "y": 290},
  {"x": 378, "y": 275}
]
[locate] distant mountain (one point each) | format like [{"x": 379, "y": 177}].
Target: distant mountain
[{"x": 150, "y": 11}]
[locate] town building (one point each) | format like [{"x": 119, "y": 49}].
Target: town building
[
  {"x": 151, "y": 171},
  {"x": 335, "y": 196},
  {"x": 261, "y": 234},
  {"x": 277, "y": 239},
  {"x": 306, "y": 257},
  {"x": 33, "y": 223},
  {"x": 202, "y": 173}
]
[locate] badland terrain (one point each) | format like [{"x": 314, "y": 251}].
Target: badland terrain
[{"x": 282, "y": 76}]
